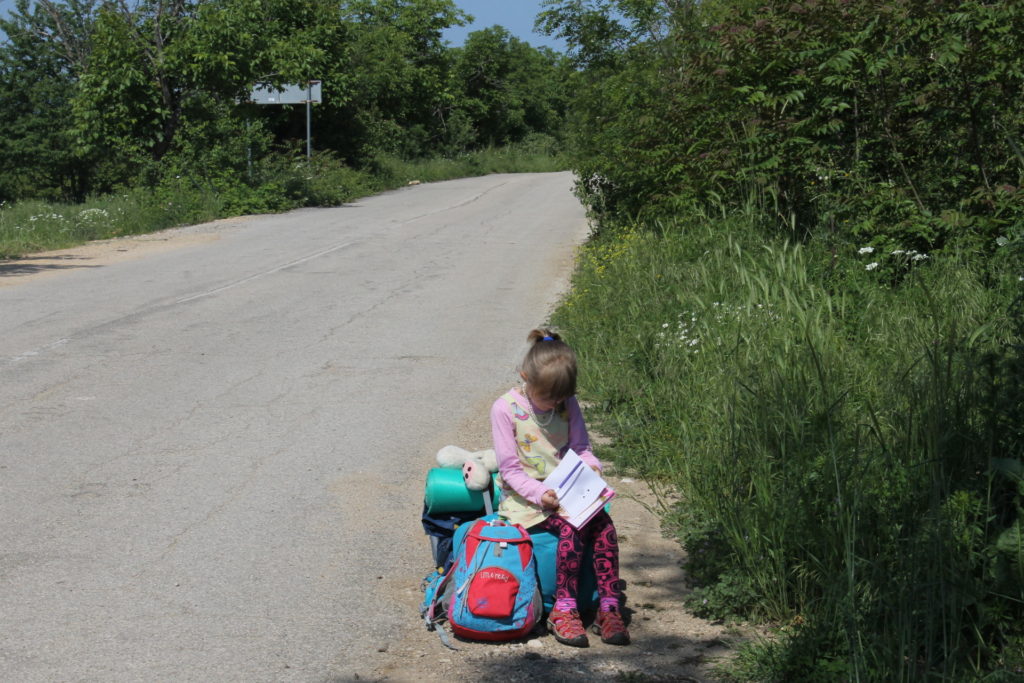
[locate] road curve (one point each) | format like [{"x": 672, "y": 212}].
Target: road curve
[{"x": 211, "y": 458}]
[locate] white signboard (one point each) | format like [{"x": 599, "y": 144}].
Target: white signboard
[{"x": 288, "y": 94}]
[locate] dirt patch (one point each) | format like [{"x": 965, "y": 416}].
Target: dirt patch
[{"x": 100, "y": 253}]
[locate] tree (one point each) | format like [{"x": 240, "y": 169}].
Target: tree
[
  {"x": 598, "y": 32},
  {"x": 131, "y": 91},
  {"x": 154, "y": 63},
  {"x": 897, "y": 121},
  {"x": 399, "y": 76},
  {"x": 46, "y": 48},
  {"x": 508, "y": 88}
]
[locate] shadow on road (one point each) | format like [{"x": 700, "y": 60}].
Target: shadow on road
[{"x": 30, "y": 265}]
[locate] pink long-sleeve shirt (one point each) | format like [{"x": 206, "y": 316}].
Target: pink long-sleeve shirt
[{"x": 507, "y": 450}]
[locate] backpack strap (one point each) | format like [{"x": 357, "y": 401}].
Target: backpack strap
[
  {"x": 443, "y": 635},
  {"x": 431, "y": 617}
]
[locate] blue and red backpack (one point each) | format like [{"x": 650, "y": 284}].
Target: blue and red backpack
[{"x": 491, "y": 591}]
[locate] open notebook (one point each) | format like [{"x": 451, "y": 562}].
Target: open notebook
[{"x": 581, "y": 491}]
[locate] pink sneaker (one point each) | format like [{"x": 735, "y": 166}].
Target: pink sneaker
[{"x": 610, "y": 627}]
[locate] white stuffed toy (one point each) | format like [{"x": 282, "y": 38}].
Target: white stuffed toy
[{"x": 477, "y": 466}]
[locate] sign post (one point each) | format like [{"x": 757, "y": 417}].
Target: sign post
[{"x": 291, "y": 94}]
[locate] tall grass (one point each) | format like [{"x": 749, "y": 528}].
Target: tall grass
[{"x": 843, "y": 427}]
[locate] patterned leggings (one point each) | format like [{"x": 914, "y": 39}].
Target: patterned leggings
[{"x": 599, "y": 533}]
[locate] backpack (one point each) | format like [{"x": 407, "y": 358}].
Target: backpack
[{"x": 491, "y": 591}]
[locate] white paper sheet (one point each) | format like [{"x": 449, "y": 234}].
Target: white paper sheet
[{"x": 581, "y": 491}]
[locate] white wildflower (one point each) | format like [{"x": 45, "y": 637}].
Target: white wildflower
[
  {"x": 898, "y": 252},
  {"x": 92, "y": 214},
  {"x": 919, "y": 257},
  {"x": 866, "y": 250},
  {"x": 871, "y": 266}
]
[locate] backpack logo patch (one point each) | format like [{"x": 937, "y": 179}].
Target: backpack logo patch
[{"x": 492, "y": 593}]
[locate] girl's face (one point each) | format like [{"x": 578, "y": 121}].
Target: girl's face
[{"x": 541, "y": 403}]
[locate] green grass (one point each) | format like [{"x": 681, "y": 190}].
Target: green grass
[
  {"x": 32, "y": 226},
  {"x": 844, "y": 428}
]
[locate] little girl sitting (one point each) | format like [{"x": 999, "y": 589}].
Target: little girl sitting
[{"x": 533, "y": 427}]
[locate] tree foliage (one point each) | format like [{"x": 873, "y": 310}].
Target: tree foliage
[
  {"x": 131, "y": 92},
  {"x": 44, "y": 51},
  {"x": 506, "y": 86},
  {"x": 895, "y": 120}
]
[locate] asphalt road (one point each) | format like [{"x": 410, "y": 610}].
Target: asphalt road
[{"x": 211, "y": 458}]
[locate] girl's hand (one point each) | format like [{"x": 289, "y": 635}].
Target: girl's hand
[{"x": 549, "y": 501}]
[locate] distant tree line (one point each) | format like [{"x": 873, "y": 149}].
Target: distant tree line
[{"x": 99, "y": 96}]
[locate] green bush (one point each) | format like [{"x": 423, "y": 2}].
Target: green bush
[{"x": 894, "y": 122}]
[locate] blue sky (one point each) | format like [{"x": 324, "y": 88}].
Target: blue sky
[
  {"x": 515, "y": 15},
  {"x": 5, "y": 7}
]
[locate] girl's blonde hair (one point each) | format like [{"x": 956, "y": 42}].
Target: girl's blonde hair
[{"x": 549, "y": 366}]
